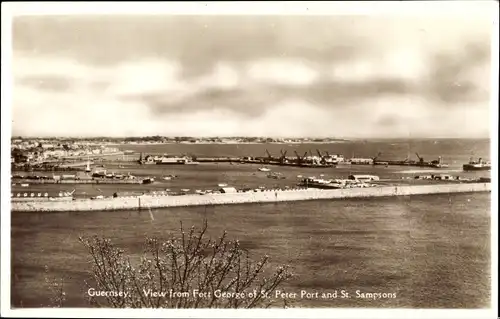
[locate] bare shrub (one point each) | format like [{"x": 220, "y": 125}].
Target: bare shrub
[
  {"x": 220, "y": 271},
  {"x": 56, "y": 289}
]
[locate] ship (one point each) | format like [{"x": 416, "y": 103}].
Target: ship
[
  {"x": 275, "y": 175},
  {"x": 148, "y": 180},
  {"x": 477, "y": 165}
]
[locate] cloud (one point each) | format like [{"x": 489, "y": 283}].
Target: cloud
[
  {"x": 408, "y": 64},
  {"x": 274, "y": 72},
  {"x": 141, "y": 77},
  {"x": 227, "y": 78}
]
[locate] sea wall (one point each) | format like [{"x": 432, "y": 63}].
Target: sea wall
[{"x": 144, "y": 202}]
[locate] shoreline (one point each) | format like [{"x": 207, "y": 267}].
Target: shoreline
[
  {"x": 223, "y": 143},
  {"x": 267, "y": 196}
]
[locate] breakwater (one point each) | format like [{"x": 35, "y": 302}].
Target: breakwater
[{"x": 265, "y": 196}]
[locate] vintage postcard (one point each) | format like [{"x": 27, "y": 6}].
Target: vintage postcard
[{"x": 268, "y": 159}]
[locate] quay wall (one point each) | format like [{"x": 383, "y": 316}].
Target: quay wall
[{"x": 266, "y": 196}]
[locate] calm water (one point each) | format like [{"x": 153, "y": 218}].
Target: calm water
[{"x": 432, "y": 251}]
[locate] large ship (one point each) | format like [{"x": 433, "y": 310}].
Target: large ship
[{"x": 478, "y": 165}]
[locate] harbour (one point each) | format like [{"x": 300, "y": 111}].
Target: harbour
[
  {"x": 300, "y": 159},
  {"x": 118, "y": 178}
]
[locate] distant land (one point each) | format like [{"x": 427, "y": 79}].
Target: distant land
[
  {"x": 180, "y": 139},
  {"x": 215, "y": 140}
]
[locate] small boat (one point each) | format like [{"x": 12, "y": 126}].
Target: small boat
[
  {"x": 275, "y": 176},
  {"x": 264, "y": 169}
]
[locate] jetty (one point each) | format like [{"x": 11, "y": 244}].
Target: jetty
[{"x": 243, "y": 197}]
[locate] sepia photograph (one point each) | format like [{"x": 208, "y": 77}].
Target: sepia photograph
[{"x": 295, "y": 159}]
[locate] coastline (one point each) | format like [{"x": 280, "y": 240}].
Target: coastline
[
  {"x": 266, "y": 196},
  {"x": 224, "y": 143}
]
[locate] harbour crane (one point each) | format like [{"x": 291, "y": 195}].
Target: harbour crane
[
  {"x": 269, "y": 156},
  {"x": 324, "y": 159},
  {"x": 283, "y": 158},
  {"x": 300, "y": 160},
  {"x": 379, "y": 162},
  {"x": 420, "y": 159}
]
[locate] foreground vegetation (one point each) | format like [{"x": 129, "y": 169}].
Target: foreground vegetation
[{"x": 186, "y": 271}]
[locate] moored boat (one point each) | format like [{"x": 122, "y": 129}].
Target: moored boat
[
  {"x": 148, "y": 180},
  {"x": 479, "y": 165}
]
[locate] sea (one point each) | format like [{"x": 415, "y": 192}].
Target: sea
[{"x": 430, "y": 251}]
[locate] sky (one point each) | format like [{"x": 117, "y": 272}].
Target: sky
[{"x": 299, "y": 76}]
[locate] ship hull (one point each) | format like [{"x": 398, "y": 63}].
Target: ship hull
[{"x": 468, "y": 167}]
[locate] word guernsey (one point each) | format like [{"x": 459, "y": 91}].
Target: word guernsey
[{"x": 105, "y": 293}]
